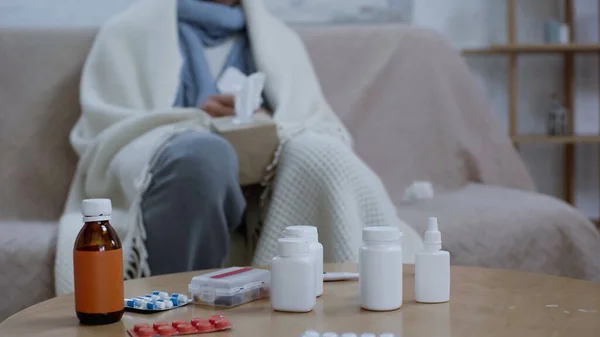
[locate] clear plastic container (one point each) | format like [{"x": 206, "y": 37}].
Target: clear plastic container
[{"x": 230, "y": 287}]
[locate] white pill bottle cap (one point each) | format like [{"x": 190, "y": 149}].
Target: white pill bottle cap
[
  {"x": 309, "y": 233},
  {"x": 288, "y": 247},
  {"x": 381, "y": 234},
  {"x": 96, "y": 209}
]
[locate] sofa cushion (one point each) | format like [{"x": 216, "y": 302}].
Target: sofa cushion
[
  {"x": 495, "y": 227},
  {"x": 27, "y": 259}
]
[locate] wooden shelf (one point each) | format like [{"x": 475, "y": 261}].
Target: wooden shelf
[
  {"x": 512, "y": 50},
  {"x": 556, "y": 139},
  {"x": 533, "y": 49}
]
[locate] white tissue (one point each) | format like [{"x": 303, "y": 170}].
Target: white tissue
[
  {"x": 231, "y": 81},
  {"x": 417, "y": 191},
  {"x": 247, "y": 91}
]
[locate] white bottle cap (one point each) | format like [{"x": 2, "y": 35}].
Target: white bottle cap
[
  {"x": 96, "y": 209},
  {"x": 309, "y": 233},
  {"x": 311, "y": 333},
  {"x": 381, "y": 234},
  {"x": 287, "y": 247},
  {"x": 433, "y": 237}
]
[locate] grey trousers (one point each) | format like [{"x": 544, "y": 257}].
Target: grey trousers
[{"x": 192, "y": 203}]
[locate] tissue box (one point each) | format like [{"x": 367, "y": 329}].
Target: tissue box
[{"x": 255, "y": 144}]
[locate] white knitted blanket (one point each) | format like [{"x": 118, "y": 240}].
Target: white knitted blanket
[{"x": 128, "y": 85}]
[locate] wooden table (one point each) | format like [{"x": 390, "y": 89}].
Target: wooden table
[{"x": 484, "y": 302}]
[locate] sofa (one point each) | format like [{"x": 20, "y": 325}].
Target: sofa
[{"x": 404, "y": 93}]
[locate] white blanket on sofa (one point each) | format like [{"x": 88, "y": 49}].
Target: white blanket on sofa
[{"x": 128, "y": 85}]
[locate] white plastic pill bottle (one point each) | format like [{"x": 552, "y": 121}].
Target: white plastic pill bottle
[
  {"x": 380, "y": 269},
  {"x": 311, "y": 235},
  {"x": 292, "y": 277}
]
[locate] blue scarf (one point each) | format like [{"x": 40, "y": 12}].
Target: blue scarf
[{"x": 206, "y": 24}]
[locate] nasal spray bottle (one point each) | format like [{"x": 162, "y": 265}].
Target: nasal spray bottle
[{"x": 432, "y": 268}]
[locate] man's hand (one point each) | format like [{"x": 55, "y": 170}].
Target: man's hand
[
  {"x": 223, "y": 105},
  {"x": 220, "y": 106}
]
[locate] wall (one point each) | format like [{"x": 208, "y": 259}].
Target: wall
[
  {"x": 473, "y": 23},
  {"x": 326, "y": 11},
  {"x": 58, "y": 12}
]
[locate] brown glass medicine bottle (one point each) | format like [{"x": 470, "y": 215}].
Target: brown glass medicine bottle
[{"x": 98, "y": 266}]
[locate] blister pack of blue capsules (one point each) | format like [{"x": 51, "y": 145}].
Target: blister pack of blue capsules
[{"x": 157, "y": 301}]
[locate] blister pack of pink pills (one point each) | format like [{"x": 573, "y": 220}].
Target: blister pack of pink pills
[{"x": 181, "y": 327}]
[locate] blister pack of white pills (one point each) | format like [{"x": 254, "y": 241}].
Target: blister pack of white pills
[
  {"x": 311, "y": 333},
  {"x": 157, "y": 301}
]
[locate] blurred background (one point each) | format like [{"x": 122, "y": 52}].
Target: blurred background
[{"x": 469, "y": 24}]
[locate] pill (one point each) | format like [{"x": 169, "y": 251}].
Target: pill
[
  {"x": 203, "y": 326},
  {"x": 185, "y": 328},
  {"x": 130, "y": 303},
  {"x": 168, "y": 304},
  {"x": 151, "y": 306},
  {"x": 140, "y": 302},
  {"x": 155, "y": 297},
  {"x": 199, "y": 320},
  {"x": 167, "y": 330},
  {"x": 311, "y": 333},
  {"x": 221, "y": 323},
  {"x": 139, "y": 326},
  {"x": 348, "y": 334},
  {"x": 146, "y": 332},
  {"x": 215, "y": 317},
  {"x": 180, "y": 297},
  {"x": 387, "y": 334},
  {"x": 161, "y": 294},
  {"x": 160, "y": 305},
  {"x": 174, "y": 301},
  {"x": 159, "y": 324},
  {"x": 177, "y": 322},
  {"x": 330, "y": 334}
]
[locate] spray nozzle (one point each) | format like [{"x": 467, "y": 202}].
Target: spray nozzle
[{"x": 433, "y": 237}]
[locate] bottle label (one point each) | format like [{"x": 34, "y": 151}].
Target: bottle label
[{"x": 98, "y": 281}]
